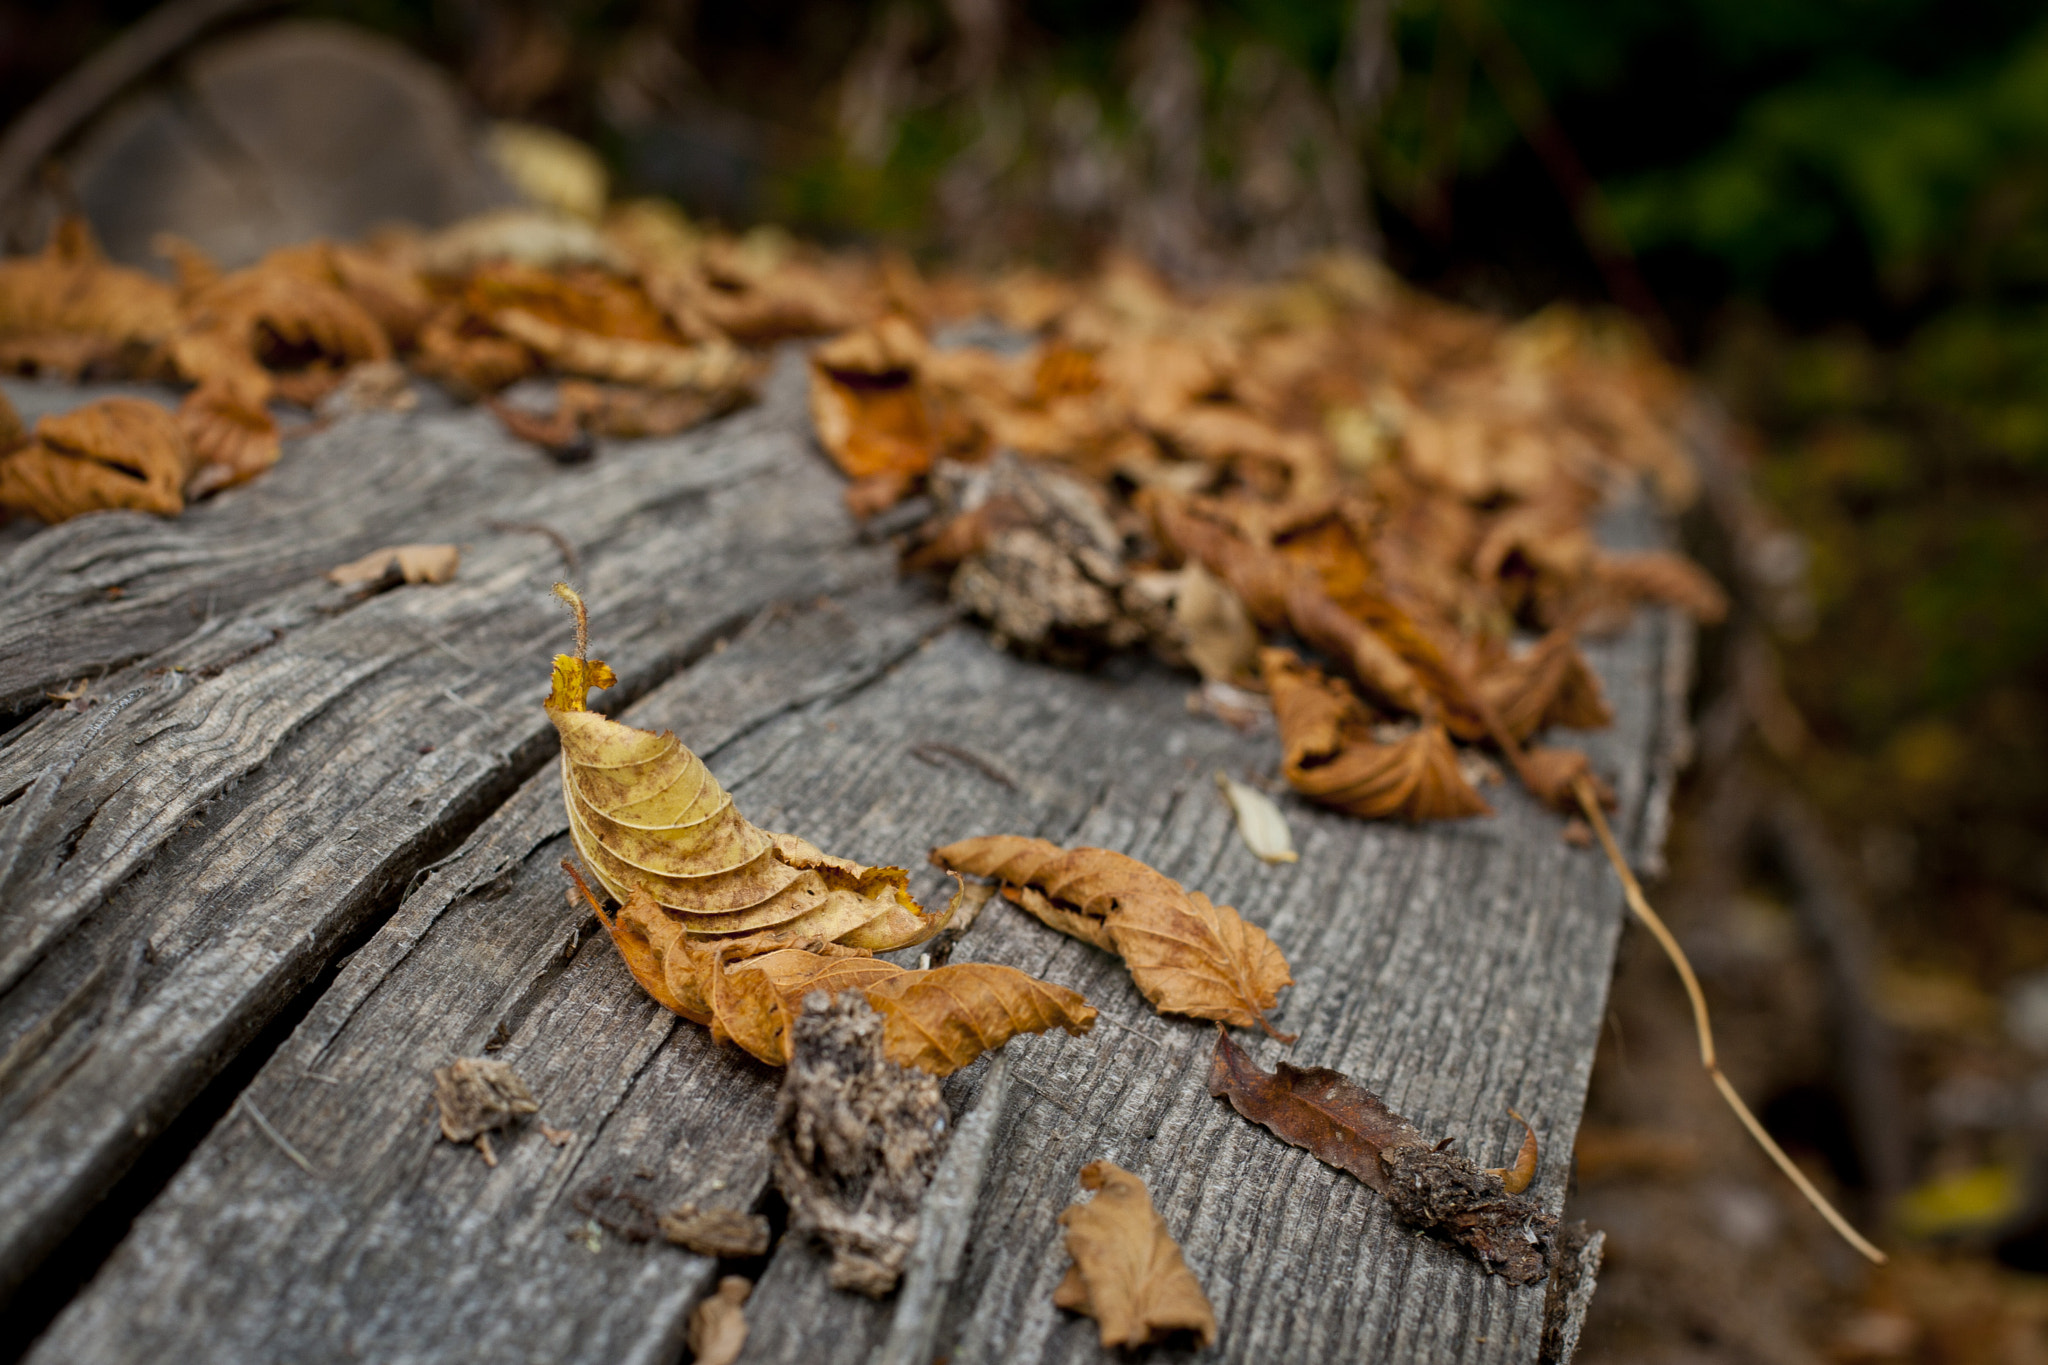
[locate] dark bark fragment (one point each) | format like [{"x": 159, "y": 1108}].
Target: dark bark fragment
[
  {"x": 857, "y": 1138},
  {"x": 1447, "y": 1195}
]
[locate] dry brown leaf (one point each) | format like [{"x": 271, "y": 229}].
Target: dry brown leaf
[
  {"x": 1330, "y": 754},
  {"x": 1347, "y": 1126},
  {"x": 282, "y": 319},
  {"x": 1661, "y": 576},
  {"x": 410, "y": 563},
  {"x": 68, "y": 311},
  {"x": 647, "y": 815},
  {"x": 1128, "y": 1273},
  {"x": 1549, "y": 685},
  {"x": 111, "y": 453},
  {"x": 709, "y": 367},
  {"x": 866, "y": 405},
  {"x": 1553, "y": 774},
  {"x": 1186, "y": 955},
  {"x": 727, "y": 1234},
  {"x": 469, "y": 356},
  {"x": 12, "y": 433},
  {"x": 942, "y": 1019},
  {"x": 717, "y": 1330}
]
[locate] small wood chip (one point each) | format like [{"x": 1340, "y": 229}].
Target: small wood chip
[{"x": 724, "y": 1233}]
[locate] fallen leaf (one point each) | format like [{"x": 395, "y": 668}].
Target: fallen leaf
[
  {"x": 1661, "y": 576},
  {"x": 1515, "y": 1179},
  {"x": 1259, "y": 822},
  {"x": 1186, "y": 955},
  {"x": 1330, "y": 753},
  {"x": 411, "y": 563},
  {"x": 1552, "y": 774},
  {"x": 1549, "y": 685},
  {"x": 1347, "y": 1126},
  {"x": 113, "y": 453},
  {"x": 1216, "y": 631},
  {"x": 1128, "y": 1273},
  {"x": 68, "y": 311},
  {"x": 727, "y": 1234},
  {"x": 12, "y": 433},
  {"x": 647, "y": 815},
  {"x": 857, "y": 1139},
  {"x": 709, "y": 367},
  {"x": 869, "y": 413},
  {"x": 231, "y": 435},
  {"x": 942, "y": 1019},
  {"x": 717, "y": 1329}
]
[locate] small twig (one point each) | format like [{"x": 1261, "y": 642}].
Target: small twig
[
  {"x": 1046, "y": 1094},
  {"x": 1589, "y": 802},
  {"x": 450, "y": 693},
  {"x": 442, "y": 645},
  {"x": 572, "y": 561},
  {"x": 1140, "y": 1033},
  {"x": 256, "y": 1117}
]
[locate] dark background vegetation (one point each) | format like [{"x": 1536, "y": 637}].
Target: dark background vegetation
[{"x": 1835, "y": 211}]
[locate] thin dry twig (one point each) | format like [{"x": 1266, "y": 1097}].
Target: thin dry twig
[
  {"x": 1589, "y": 802},
  {"x": 263, "y": 1126}
]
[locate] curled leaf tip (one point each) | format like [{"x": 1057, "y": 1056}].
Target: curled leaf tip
[{"x": 1514, "y": 1179}]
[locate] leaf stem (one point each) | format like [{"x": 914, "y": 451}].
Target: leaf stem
[
  {"x": 575, "y": 601},
  {"x": 1589, "y": 802}
]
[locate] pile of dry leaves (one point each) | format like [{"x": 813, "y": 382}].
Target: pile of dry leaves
[{"x": 1331, "y": 462}]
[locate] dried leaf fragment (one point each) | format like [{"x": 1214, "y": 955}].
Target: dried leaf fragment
[
  {"x": 478, "y": 1095},
  {"x": 410, "y": 563},
  {"x": 718, "y": 1325},
  {"x": 1332, "y": 756},
  {"x": 1347, "y": 1126},
  {"x": 727, "y": 1234},
  {"x": 1186, "y": 955},
  {"x": 1128, "y": 1273},
  {"x": 942, "y": 1019},
  {"x": 1259, "y": 822},
  {"x": 115, "y": 453}
]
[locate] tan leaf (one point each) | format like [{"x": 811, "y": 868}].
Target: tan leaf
[
  {"x": 866, "y": 405},
  {"x": 1128, "y": 1273},
  {"x": 69, "y": 311},
  {"x": 718, "y": 1325},
  {"x": 646, "y": 814},
  {"x": 1661, "y": 576},
  {"x": 111, "y": 453},
  {"x": 1551, "y": 773},
  {"x": 1185, "y": 954},
  {"x": 1550, "y": 685},
  {"x": 1331, "y": 756},
  {"x": 412, "y": 564},
  {"x": 1259, "y": 822},
  {"x": 942, "y": 1019},
  {"x": 705, "y": 368}
]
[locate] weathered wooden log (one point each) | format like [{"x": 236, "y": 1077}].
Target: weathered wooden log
[{"x": 1457, "y": 969}]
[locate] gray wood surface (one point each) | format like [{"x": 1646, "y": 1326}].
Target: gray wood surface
[{"x": 180, "y": 858}]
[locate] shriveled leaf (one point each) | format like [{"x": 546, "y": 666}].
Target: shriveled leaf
[
  {"x": 1550, "y": 685},
  {"x": 1517, "y": 1178},
  {"x": 717, "y": 1330},
  {"x": 1332, "y": 756},
  {"x": 1347, "y": 1126},
  {"x": 1259, "y": 822},
  {"x": 706, "y": 368},
  {"x": 728, "y": 1234},
  {"x": 230, "y": 433},
  {"x": 1128, "y": 1273},
  {"x": 869, "y": 412},
  {"x": 1185, "y": 954},
  {"x": 111, "y": 453},
  {"x": 69, "y": 311},
  {"x": 647, "y": 815},
  {"x": 1661, "y": 576},
  {"x": 410, "y": 563},
  {"x": 942, "y": 1019}
]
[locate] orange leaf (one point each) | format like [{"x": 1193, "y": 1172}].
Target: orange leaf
[
  {"x": 942, "y": 1019},
  {"x": 113, "y": 453}
]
